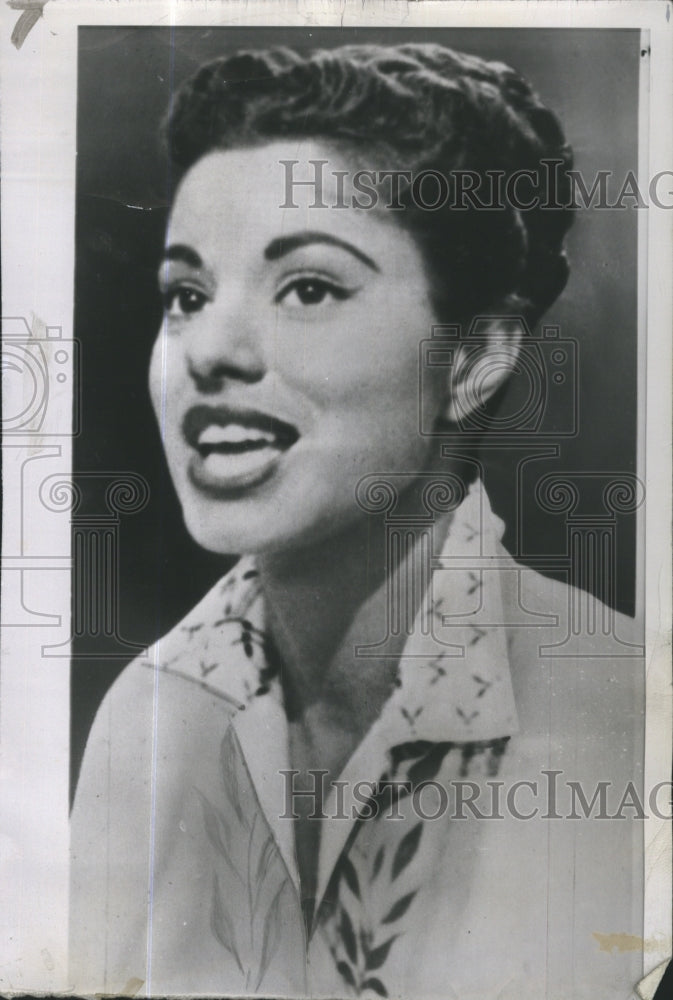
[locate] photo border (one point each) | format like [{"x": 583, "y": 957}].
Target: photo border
[{"x": 39, "y": 87}]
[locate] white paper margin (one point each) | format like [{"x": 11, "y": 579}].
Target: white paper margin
[{"x": 38, "y": 106}]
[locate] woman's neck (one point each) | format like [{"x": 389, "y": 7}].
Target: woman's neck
[{"x": 323, "y": 601}]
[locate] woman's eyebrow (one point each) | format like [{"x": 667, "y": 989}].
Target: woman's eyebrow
[
  {"x": 181, "y": 252},
  {"x": 286, "y": 244}
]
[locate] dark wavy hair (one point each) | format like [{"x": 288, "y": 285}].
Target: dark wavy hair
[{"x": 414, "y": 107}]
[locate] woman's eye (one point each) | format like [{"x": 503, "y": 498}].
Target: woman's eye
[
  {"x": 311, "y": 292},
  {"x": 183, "y": 301}
]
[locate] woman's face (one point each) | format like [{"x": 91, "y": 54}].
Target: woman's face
[{"x": 287, "y": 366}]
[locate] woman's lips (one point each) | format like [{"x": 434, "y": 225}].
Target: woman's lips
[{"x": 234, "y": 448}]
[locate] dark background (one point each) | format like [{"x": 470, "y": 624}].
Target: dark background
[{"x": 125, "y": 82}]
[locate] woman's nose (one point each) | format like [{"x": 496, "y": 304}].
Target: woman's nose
[{"x": 224, "y": 345}]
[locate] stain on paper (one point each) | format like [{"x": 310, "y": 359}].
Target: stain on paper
[
  {"x": 628, "y": 942},
  {"x": 132, "y": 986}
]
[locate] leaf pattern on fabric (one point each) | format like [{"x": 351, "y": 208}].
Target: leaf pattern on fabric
[
  {"x": 249, "y": 635},
  {"x": 384, "y": 862},
  {"x": 350, "y": 875},
  {"x": 346, "y": 972},
  {"x": 411, "y": 716},
  {"x": 465, "y": 716},
  {"x": 376, "y": 957},
  {"x": 372, "y": 983},
  {"x": 360, "y": 961},
  {"x": 494, "y": 750},
  {"x": 229, "y": 760},
  {"x": 406, "y": 849},
  {"x": 222, "y": 924},
  {"x": 378, "y": 861},
  {"x": 250, "y": 884},
  {"x": 483, "y": 685},
  {"x": 429, "y": 765},
  {"x": 439, "y": 667},
  {"x": 216, "y": 825},
  {"x": 272, "y": 934},
  {"x": 359, "y": 948},
  {"x": 497, "y": 751},
  {"x": 348, "y": 936},
  {"x": 478, "y": 634},
  {"x": 373, "y": 903},
  {"x": 399, "y": 908},
  {"x": 378, "y": 909},
  {"x": 411, "y": 750},
  {"x": 218, "y": 833},
  {"x": 265, "y": 858},
  {"x": 387, "y": 794},
  {"x": 191, "y": 630}
]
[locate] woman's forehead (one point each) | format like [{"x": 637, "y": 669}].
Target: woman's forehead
[{"x": 263, "y": 192}]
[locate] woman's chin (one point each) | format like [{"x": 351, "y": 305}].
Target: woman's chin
[
  {"x": 227, "y": 538},
  {"x": 258, "y": 533}
]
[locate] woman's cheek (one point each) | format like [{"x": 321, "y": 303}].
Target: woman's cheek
[
  {"x": 166, "y": 379},
  {"x": 155, "y": 380}
]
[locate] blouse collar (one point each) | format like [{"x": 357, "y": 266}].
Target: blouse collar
[
  {"x": 454, "y": 678},
  {"x": 454, "y": 681}
]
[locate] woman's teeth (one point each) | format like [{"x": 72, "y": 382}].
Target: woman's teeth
[
  {"x": 234, "y": 452},
  {"x": 234, "y": 436},
  {"x": 235, "y": 457}
]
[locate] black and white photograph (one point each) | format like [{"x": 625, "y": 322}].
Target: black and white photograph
[{"x": 336, "y": 490}]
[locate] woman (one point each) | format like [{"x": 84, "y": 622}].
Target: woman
[{"x": 286, "y": 795}]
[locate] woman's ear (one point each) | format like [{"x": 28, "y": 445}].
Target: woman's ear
[{"x": 484, "y": 360}]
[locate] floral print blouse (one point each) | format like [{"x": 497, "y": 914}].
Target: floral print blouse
[{"x": 185, "y": 877}]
